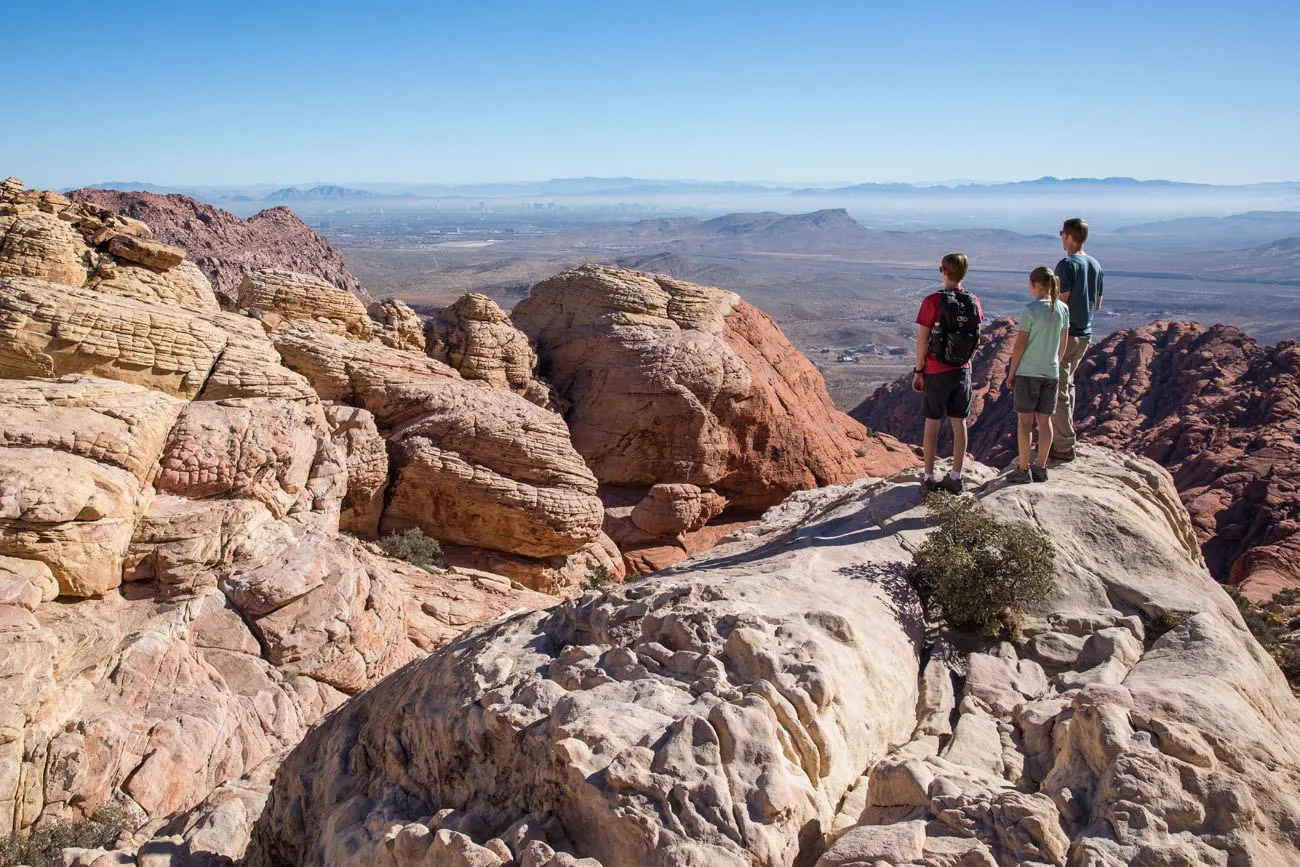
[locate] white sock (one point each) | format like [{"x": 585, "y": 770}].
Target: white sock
[
  {"x": 929, "y": 477},
  {"x": 953, "y": 474}
]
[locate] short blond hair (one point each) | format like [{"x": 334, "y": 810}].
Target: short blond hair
[{"x": 954, "y": 265}]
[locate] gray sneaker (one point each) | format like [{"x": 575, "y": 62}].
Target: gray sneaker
[
  {"x": 950, "y": 485},
  {"x": 927, "y": 486},
  {"x": 1038, "y": 474},
  {"x": 1019, "y": 477}
]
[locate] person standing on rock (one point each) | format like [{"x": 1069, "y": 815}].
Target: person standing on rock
[
  {"x": 950, "y": 330},
  {"x": 1081, "y": 287},
  {"x": 1034, "y": 372}
]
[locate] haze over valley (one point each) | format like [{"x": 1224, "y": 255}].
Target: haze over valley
[{"x": 842, "y": 270}]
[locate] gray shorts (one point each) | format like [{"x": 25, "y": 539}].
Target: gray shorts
[{"x": 1035, "y": 394}]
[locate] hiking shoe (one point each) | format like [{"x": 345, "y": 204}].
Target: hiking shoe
[
  {"x": 927, "y": 486},
  {"x": 1019, "y": 477},
  {"x": 1038, "y": 474},
  {"x": 950, "y": 485},
  {"x": 1063, "y": 457}
]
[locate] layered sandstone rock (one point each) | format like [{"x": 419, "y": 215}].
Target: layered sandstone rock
[
  {"x": 295, "y": 297},
  {"x": 1221, "y": 412},
  {"x": 398, "y": 325},
  {"x": 777, "y": 702},
  {"x": 676, "y": 383},
  {"x": 164, "y": 444},
  {"x": 471, "y": 465},
  {"x": 476, "y": 337},
  {"x": 226, "y": 247}
]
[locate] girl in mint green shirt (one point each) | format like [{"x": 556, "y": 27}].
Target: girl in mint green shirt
[{"x": 1035, "y": 369}]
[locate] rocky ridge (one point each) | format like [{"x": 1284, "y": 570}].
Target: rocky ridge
[
  {"x": 1219, "y": 411},
  {"x": 225, "y": 247}
]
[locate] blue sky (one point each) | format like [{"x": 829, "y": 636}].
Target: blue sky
[{"x": 232, "y": 93}]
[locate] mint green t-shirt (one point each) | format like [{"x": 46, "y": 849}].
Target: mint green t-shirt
[{"x": 1044, "y": 324}]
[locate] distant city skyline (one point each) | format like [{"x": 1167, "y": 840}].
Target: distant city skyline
[{"x": 761, "y": 92}]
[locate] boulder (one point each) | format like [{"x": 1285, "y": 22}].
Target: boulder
[
  {"x": 477, "y": 338},
  {"x": 303, "y": 298},
  {"x": 185, "y": 285},
  {"x": 671, "y": 382},
  {"x": 39, "y": 245},
  {"x": 471, "y": 465},
  {"x": 399, "y": 326},
  {"x": 142, "y": 251}
]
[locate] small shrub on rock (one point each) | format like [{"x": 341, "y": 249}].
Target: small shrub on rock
[
  {"x": 43, "y": 846},
  {"x": 599, "y": 579},
  {"x": 415, "y": 548},
  {"x": 978, "y": 572}
]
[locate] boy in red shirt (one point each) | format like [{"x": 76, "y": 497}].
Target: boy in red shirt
[{"x": 949, "y": 321}]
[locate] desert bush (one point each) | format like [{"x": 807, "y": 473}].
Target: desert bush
[
  {"x": 43, "y": 845},
  {"x": 980, "y": 573},
  {"x": 414, "y": 547},
  {"x": 599, "y": 579}
]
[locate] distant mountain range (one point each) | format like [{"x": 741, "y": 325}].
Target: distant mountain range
[{"x": 628, "y": 187}]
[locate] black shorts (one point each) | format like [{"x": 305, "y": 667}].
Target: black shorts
[
  {"x": 1035, "y": 394},
  {"x": 947, "y": 393}
]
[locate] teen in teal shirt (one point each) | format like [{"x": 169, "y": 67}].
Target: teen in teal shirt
[{"x": 1035, "y": 370}]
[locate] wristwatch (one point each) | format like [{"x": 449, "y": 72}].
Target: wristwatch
[{"x": 921, "y": 371}]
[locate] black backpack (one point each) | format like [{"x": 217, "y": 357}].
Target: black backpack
[{"x": 954, "y": 338}]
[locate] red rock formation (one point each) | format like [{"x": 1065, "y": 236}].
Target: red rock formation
[
  {"x": 226, "y": 247},
  {"x": 671, "y": 382},
  {"x": 1221, "y": 412}
]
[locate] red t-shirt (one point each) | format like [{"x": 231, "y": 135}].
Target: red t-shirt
[{"x": 928, "y": 318}]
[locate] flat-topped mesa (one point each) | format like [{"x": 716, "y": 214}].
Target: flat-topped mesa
[
  {"x": 779, "y": 696},
  {"x": 477, "y": 338},
  {"x": 276, "y": 297},
  {"x": 674, "y": 382},
  {"x": 225, "y": 247}
]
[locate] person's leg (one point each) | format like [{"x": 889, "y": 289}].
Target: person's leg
[
  {"x": 1024, "y": 436},
  {"x": 1063, "y": 419},
  {"x": 930, "y": 444},
  {"x": 1044, "y": 437},
  {"x": 958, "y": 444}
]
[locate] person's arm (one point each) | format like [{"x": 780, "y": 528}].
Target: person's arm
[
  {"x": 1064, "y": 273},
  {"x": 1065, "y": 342},
  {"x": 922, "y": 347},
  {"x": 1017, "y": 352},
  {"x": 1099, "y": 289}
]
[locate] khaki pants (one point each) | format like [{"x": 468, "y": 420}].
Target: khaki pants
[{"x": 1063, "y": 419}]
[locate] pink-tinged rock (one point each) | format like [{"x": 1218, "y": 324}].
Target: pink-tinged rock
[
  {"x": 99, "y": 419},
  {"x": 265, "y": 450},
  {"x": 353, "y": 430},
  {"x": 667, "y": 510},
  {"x": 143, "y": 251},
  {"x": 477, "y": 338},
  {"x": 73, "y": 514},
  {"x": 674, "y": 382},
  {"x": 598, "y": 563}
]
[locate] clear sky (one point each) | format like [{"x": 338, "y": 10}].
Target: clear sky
[{"x": 291, "y": 92}]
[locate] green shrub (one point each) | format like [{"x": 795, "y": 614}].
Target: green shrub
[
  {"x": 414, "y": 547},
  {"x": 981, "y": 573},
  {"x": 599, "y": 579},
  {"x": 43, "y": 845}
]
